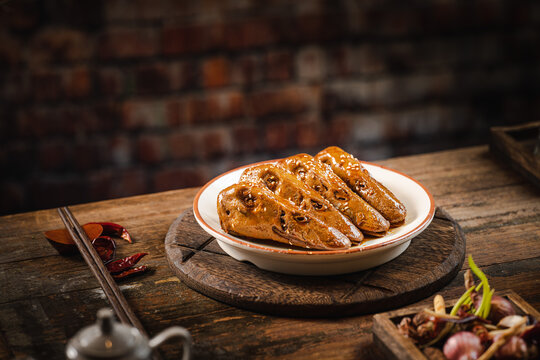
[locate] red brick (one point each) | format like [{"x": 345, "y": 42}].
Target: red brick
[
  {"x": 278, "y": 65},
  {"x": 108, "y": 116},
  {"x": 247, "y": 70},
  {"x": 400, "y": 58},
  {"x": 278, "y": 136},
  {"x": 178, "y": 177},
  {"x": 52, "y": 45},
  {"x": 215, "y": 144},
  {"x": 246, "y": 139},
  {"x": 151, "y": 148},
  {"x": 137, "y": 114},
  {"x": 11, "y": 52},
  {"x": 132, "y": 11},
  {"x": 215, "y": 72},
  {"x": 16, "y": 86},
  {"x": 72, "y": 120},
  {"x": 77, "y": 83},
  {"x": 217, "y": 107},
  {"x": 47, "y": 85},
  {"x": 121, "y": 44},
  {"x": 399, "y": 22},
  {"x": 119, "y": 152},
  {"x": 338, "y": 62},
  {"x": 234, "y": 104},
  {"x": 443, "y": 16},
  {"x": 129, "y": 182},
  {"x": 311, "y": 64},
  {"x": 21, "y": 15},
  {"x": 38, "y": 122},
  {"x": 250, "y": 33},
  {"x": 179, "y": 112},
  {"x": 308, "y": 133},
  {"x": 182, "y": 145},
  {"x": 318, "y": 27},
  {"x": 152, "y": 79},
  {"x": 188, "y": 9},
  {"x": 110, "y": 82},
  {"x": 374, "y": 93},
  {"x": 338, "y": 131},
  {"x": 288, "y": 100},
  {"x": 24, "y": 124},
  {"x": 54, "y": 121},
  {"x": 191, "y": 39},
  {"x": 368, "y": 60},
  {"x": 184, "y": 75},
  {"x": 369, "y": 127},
  {"x": 99, "y": 184},
  {"x": 17, "y": 156},
  {"x": 85, "y": 156}
]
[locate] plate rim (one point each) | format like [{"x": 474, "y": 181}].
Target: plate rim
[{"x": 245, "y": 243}]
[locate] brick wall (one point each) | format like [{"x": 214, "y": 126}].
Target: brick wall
[{"x": 103, "y": 99}]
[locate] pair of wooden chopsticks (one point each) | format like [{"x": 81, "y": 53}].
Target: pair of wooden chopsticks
[{"x": 108, "y": 284}]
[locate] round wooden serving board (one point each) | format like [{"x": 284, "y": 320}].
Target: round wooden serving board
[{"x": 432, "y": 260}]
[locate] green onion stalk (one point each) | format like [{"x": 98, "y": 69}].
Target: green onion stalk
[{"x": 485, "y": 306}]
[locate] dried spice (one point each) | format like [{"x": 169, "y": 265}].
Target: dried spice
[
  {"x": 100, "y": 234},
  {"x": 105, "y": 247},
  {"x": 131, "y": 272},
  {"x": 112, "y": 229},
  {"x": 125, "y": 263}
]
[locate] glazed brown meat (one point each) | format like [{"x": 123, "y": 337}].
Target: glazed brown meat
[
  {"x": 348, "y": 168},
  {"x": 286, "y": 185},
  {"x": 323, "y": 180},
  {"x": 253, "y": 211}
]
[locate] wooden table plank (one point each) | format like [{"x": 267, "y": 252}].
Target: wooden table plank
[{"x": 47, "y": 297}]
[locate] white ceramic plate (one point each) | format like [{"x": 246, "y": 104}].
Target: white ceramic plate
[{"x": 282, "y": 258}]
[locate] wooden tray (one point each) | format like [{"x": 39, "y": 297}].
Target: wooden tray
[
  {"x": 432, "y": 260},
  {"x": 396, "y": 346},
  {"x": 519, "y": 146}
]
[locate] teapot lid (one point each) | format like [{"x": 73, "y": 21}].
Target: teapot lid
[{"x": 106, "y": 338}]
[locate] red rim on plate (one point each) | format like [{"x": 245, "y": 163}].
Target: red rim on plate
[{"x": 403, "y": 237}]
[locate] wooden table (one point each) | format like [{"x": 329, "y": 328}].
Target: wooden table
[{"x": 46, "y": 298}]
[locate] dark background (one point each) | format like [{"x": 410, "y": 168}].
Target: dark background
[{"x": 103, "y": 99}]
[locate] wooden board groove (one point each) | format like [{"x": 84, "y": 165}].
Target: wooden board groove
[{"x": 431, "y": 261}]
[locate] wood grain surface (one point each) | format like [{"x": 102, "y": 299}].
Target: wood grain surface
[
  {"x": 46, "y": 297},
  {"x": 432, "y": 259}
]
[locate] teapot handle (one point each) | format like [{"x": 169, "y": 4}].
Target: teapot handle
[{"x": 175, "y": 331}]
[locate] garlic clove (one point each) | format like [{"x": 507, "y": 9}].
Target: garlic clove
[
  {"x": 514, "y": 348},
  {"x": 500, "y": 307},
  {"x": 509, "y": 321},
  {"x": 463, "y": 345}
]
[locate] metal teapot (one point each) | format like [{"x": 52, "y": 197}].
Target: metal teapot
[{"x": 109, "y": 339}]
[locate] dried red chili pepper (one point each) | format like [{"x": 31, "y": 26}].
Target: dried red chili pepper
[
  {"x": 125, "y": 263},
  {"x": 110, "y": 228},
  {"x": 105, "y": 247},
  {"x": 130, "y": 272}
]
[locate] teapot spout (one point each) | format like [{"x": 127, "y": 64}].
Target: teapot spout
[{"x": 175, "y": 331}]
